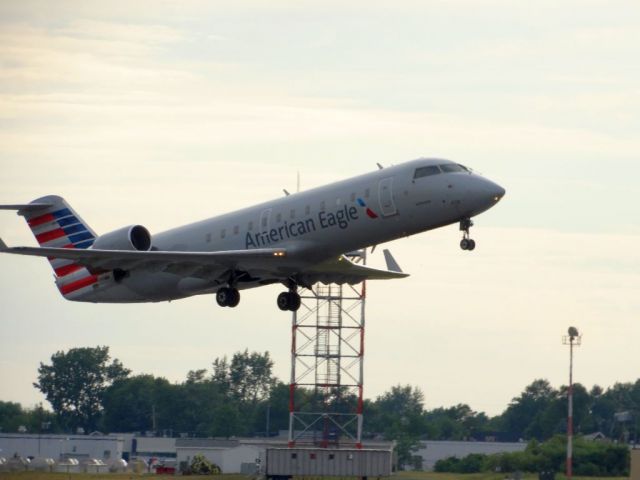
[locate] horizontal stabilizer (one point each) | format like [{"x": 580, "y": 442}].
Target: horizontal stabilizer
[
  {"x": 391, "y": 262},
  {"x": 26, "y": 207}
]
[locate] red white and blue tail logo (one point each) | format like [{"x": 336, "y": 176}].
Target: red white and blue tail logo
[
  {"x": 370, "y": 213},
  {"x": 59, "y": 226}
]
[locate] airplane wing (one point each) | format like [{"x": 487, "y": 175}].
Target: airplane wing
[
  {"x": 342, "y": 270},
  {"x": 208, "y": 265},
  {"x": 264, "y": 258}
]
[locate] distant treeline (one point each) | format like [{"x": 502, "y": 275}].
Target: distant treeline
[{"x": 239, "y": 396}]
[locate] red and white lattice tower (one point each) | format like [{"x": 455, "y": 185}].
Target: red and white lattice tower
[{"x": 327, "y": 366}]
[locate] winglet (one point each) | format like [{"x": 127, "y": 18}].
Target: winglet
[{"x": 392, "y": 265}]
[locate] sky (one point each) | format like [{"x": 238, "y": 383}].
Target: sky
[{"x": 165, "y": 112}]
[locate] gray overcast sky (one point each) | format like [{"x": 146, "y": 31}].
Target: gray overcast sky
[{"x": 162, "y": 113}]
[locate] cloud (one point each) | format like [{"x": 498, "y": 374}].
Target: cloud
[{"x": 165, "y": 113}]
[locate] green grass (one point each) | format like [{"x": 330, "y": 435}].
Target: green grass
[
  {"x": 147, "y": 476},
  {"x": 108, "y": 476},
  {"x": 484, "y": 476}
]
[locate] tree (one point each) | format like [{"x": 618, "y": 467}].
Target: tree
[
  {"x": 13, "y": 416},
  {"x": 139, "y": 404},
  {"x": 250, "y": 376},
  {"x": 522, "y": 417},
  {"x": 75, "y": 383},
  {"x": 201, "y": 466},
  {"x": 399, "y": 415},
  {"x": 456, "y": 423}
]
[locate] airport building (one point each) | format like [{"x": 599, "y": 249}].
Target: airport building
[
  {"x": 61, "y": 447},
  {"x": 236, "y": 455}
]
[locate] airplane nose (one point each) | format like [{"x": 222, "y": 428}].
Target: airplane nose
[
  {"x": 484, "y": 195},
  {"x": 498, "y": 192},
  {"x": 481, "y": 195}
]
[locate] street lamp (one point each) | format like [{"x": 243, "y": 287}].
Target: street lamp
[{"x": 573, "y": 338}]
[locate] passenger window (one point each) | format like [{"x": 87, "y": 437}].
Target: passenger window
[
  {"x": 279, "y": 217},
  {"x": 236, "y": 229},
  {"x": 322, "y": 206},
  {"x": 292, "y": 214},
  {"x": 264, "y": 221},
  {"x": 223, "y": 233},
  {"x": 426, "y": 171},
  {"x": 208, "y": 237},
  {"x": 307, "y": 210},
  {"x": 451, "y": 167},
  {"x": 353, "y": 197},
  {"x": 250, "y": 226},
  {"x": 366, "y": 193},
  {"x": 338, "y": 201}
]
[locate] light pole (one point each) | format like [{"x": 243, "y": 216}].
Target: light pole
[{"x": 573, "y": 338}]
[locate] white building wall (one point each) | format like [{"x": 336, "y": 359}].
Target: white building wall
[
  {"x": 161, "y": 448},
  {"x": 432, "y": 451},
  {"x": 57, "y": 446},
  {"x": 233, "y": 458}
]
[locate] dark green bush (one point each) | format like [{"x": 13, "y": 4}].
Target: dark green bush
[{"x": 589, "y": 459}]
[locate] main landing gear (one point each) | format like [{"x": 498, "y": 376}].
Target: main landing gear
[
  {"x": 228, "y": 297},
  {"x": 466, "y": 243},
  {"x": 289, "y": 300}
]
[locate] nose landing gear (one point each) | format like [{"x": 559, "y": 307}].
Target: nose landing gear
[{"x": 466, "y": 243}]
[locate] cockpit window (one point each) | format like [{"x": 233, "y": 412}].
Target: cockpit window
[
  {"x": 452, "y": 167},
  {"x": 426, "y": 171}
]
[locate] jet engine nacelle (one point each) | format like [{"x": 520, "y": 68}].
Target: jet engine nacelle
[{"x": 133, "y": 237}]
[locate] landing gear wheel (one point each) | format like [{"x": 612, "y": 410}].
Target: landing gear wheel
[
  {"x": 295, "y": 301},
  {"x": 228, "y": 297},
  {"x": 289, "y": 301},
  {"x": 222, "y": 296},
  {"x": 283, "y": 301},
  {"x": 235, "y": 298},
  {"x": 466, "y": 243}
]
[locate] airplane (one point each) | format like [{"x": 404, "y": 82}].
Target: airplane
[{"x": 297, "y": 240}]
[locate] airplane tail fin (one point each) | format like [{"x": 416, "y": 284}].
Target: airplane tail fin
[{"x": 55, "y": 224}]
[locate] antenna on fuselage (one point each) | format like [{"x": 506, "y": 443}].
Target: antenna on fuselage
[
  {"x": 286, "y": 192},
  {"x": 379, "y": 166}
]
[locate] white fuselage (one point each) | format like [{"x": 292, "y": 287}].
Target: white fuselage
[{"x": 319, "y": 224}]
